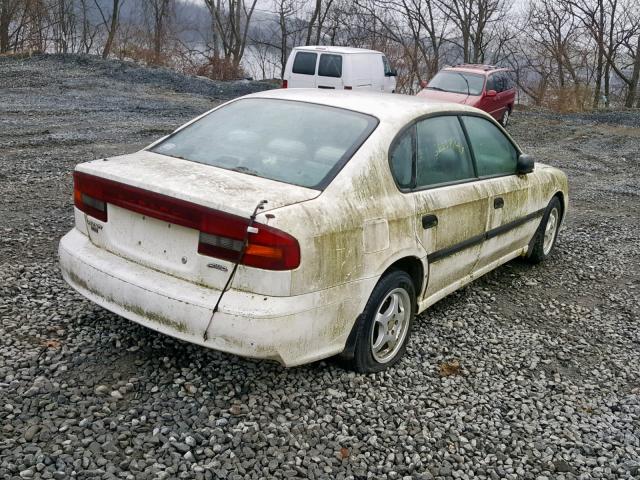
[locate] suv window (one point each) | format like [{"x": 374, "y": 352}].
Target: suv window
[
  {"x": 496, "y": 83},
  {"x": 402, "y": 158},
  {"x": 508, "y": 81},
  {"x": 442, "y": 152},
  {"x": 305, "y": 63},
  {"x": 493, "y": 151},
  {"x": 330, "y": 65}
]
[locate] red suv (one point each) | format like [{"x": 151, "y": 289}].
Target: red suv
[{"x": 485, "y": 87}]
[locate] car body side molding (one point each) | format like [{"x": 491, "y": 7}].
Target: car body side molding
[{"x": 476, "y": 239}]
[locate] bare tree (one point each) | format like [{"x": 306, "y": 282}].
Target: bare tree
[
  {"x": 9, "y": 10},
  {"x": 157, "y": 13},
  {"x": 232, "y": 22},
  {"x": 110, "y": 22},
  {"x": 89, "y": 30},
  {"x": 473, "y": 19}
]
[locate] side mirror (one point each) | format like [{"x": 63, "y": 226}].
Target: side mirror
[
  {"x": 392, "y": 73},
  {"x": 423, "y": 84},
  {"x": 525, "y": 164},
  {"x": 491, "y": 93}
]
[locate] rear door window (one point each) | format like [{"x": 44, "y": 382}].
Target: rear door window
[
  {"x": 305, "y": 63},
  {"x": 493, "y": 151},
  {"x": 330, "y": 65},
  {"x": 442, "y": 152}
]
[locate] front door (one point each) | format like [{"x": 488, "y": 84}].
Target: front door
[{"x": 512, "y": 218}]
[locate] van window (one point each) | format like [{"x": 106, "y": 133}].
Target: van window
[
  {"x": 386, "y": 65},
  {"x": 305, "y": 63},
  {"x": 330, "y": 65}
]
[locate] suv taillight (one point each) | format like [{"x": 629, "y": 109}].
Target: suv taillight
[{"x": 221, "y": 234}]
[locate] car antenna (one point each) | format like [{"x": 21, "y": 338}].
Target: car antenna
[{"x": 245, "y": 242}]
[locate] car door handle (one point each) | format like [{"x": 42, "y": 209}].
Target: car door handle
[
  {"x": 498, "y": 202},
  {"x": 429, "y": 221}
]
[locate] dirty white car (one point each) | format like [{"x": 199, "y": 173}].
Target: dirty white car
[{"x": 348, "y": 213}]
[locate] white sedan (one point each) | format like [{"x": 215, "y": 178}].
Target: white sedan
[{"x": 295, "y": 225}]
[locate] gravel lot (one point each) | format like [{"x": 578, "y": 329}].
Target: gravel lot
[{"x": 529, "y": 373}]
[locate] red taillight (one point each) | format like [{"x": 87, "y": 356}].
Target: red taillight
[
  {"x": 88, "y": 197},
  {"x": 221, "y": 233},
  {"x": 285, "y": 84}
]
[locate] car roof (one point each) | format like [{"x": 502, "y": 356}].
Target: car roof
[
  {"x": 476, "y": 68},
  {"x": 333, "y": 49},
  {"x": 387, "y": 107}
]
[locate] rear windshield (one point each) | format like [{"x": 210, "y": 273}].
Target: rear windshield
[
  {"x": 330, "y": 65},
  {"x": 293, "y": 142},
  {"x": 457, "y": 82}
]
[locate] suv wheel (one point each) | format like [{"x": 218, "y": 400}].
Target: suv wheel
[{"x": 505, "y": 117}]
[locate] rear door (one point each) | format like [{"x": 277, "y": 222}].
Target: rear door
[
  {"x": 303, "y": 70},
  {"x": 451, "y": 211},
  {"x": 512, "y": 219},
  {"x": 330, "y": 71}
]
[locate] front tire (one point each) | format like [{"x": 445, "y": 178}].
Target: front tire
[
  {"x": 385, "y": 324},
  {"x": 545, "y": 237}
]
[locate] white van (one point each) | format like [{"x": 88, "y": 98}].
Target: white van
[{"x": 339, "y": 68}]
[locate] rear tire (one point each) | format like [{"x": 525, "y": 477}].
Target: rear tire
[
  {"x": 505, "y": 117},
  {"x": 385, "y": 324},
  {"x": 545, "y": 237}
]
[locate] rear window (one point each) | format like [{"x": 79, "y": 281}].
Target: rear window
[
  {"x": 330, "y": 65},
  {"x": 305, "y": 63},
  {"x": 292, "y": 142}
]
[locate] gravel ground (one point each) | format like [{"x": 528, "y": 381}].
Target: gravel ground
[{"x": 528, "y": 373}]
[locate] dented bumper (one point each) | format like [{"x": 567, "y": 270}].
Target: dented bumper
[{"x": 291, "y": 330}]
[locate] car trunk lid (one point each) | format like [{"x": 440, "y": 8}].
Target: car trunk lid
[{"x": 154, "y": 232}]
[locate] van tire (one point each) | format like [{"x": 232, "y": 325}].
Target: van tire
[{"x": 393, "y": 301}]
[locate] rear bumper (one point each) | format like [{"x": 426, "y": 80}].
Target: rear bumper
[{"x": 290, "y": 330}]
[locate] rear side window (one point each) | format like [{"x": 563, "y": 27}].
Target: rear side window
[
  {"x": 330, "y": 65},
  {"x": 492, "y": 83},
  {"x": 494, "y": 153},
  {"x": 508, "y": 81},
  {"x": 305, "y": 63},
  {"x": 442, "y": 152},
  {"x": 402, "y": 158}
]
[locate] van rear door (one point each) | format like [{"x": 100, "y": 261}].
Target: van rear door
[
  {"x": 330, "y": 71},
  {"x": 303, "y": 69}
]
